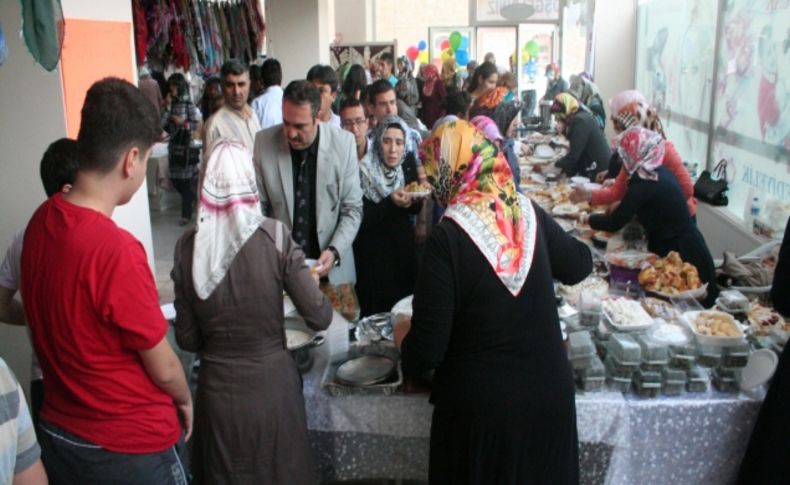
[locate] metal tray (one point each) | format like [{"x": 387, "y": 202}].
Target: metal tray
[
  {"x": 388, "y": 386},
  {"x": 365, "y": 370}
]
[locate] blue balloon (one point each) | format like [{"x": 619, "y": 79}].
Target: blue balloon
[
  {"x": 461, "y": 57},
  {"x": 532, "y": 68},
  {"x": 464, "y": 43},
  {"x": 421, "y": 45}
]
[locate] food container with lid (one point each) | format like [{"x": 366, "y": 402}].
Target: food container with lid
[
  {"x": 593, "y": 377},
  {"x": 698, "y": 378},
  {"x": 581, "y": 349},
  {"x": 673, "y": 381},
  {"x": 625, "y": 349},
  {"x": 653, "y": 352},
  {"x": 726, "y": 380},
  {"x": 682, "y": 356},
  {"x": 733, "y": 301},
  {"x": 647, "y": 384},
  {"x": 618, "y": 370},
  {"x": 707, "y": 326},
  {"x": 736, "y": 355},
  {"x": 626, "y": 315},
  {"x": 708, "y": 355},
  {"x": 619, "y": 384},
  {"x": 602, "y": 332}
]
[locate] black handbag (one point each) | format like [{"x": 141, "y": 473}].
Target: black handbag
[
  {"x": 180, "y": 152},
  {"x": 713, "y": 191}
]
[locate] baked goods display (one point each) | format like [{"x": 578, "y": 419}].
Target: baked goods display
[
  {"x": 763, "y": 319},
  {"x": 658, "y": 308},
  {"x": 630, "y": 259},
  {"x": 713, "y": 323},
  {"x": 416, "y": 188},
  {"x": 670, "y": 276},
  {"x": 343, "y": 299},
  {"x": 626, "y": 314},
  {"x": 593, "y": 285}
]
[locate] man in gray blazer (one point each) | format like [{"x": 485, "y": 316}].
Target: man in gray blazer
[{"x": 310, "y": 181}]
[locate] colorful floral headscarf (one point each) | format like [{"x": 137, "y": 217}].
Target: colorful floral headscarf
[
  {"x": 474, "y": 181},
  {"x": 642, "y": 151},
  {"x": 488, "y": 127},
  {"x": 487, "y": 103},
  {"x": 379, "y": 180},
  {"x": 565, "y": 106}
]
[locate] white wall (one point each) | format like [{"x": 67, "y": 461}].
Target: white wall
[
  {"x": 298, "y": 34},
  {"x": 615, "y": 48},
  {"x": 351, "y": 20}
]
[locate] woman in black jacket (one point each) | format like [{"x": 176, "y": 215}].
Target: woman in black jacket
[{"x": 589, "y": 152}]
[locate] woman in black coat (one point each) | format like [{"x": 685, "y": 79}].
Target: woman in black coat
[
  {"x": 589, "y": 152},
  {"x": 384, "y": 249},
  {"x": 486, "y": 321}
]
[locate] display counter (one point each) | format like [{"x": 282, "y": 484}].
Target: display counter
[{"x": 691, "y": 439}]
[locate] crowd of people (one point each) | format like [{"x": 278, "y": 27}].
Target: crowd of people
[{"x": 323, "y": 180}]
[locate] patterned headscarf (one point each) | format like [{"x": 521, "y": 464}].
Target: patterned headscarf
[
  {"x": 642, "y": 151},
  {"x": 582, "y": 88},
  {"x": 565, "y": 106},
  {"x": 379, "y": 180},
  {"x": 630, "y": 108},
  {"x": 474, "y": 181},
  {"x": 487, "y": 103},
  {"x": 430, "y": 76},
  {"x": 448, "y": 72},
  {"x": 488, "y": 127},
  {"x": 408, "y": 67},
  {"x": 229, "y": 212}
]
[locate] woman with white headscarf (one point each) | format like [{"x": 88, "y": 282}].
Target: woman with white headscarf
[
  {"x": 229, "y": 275},
  {"x": 384, "y": 250}
]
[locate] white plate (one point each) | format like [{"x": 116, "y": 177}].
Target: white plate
[
  {"x": 689, "y": 318},
  {"x": 579, "y": 180},
  {"x": 565, "y": 210},
  {"x": 628, "y": 328},
  {"x": 761, "y": 367},
  {"x": 423, "y": 193}
]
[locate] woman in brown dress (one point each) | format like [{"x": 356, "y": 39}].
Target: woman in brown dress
[{"x": 229, "y": 275}]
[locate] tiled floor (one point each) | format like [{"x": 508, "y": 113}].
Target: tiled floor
[{"x": 165, "y": 232}]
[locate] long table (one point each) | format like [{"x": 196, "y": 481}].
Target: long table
[{"x": 623, "y": 439}]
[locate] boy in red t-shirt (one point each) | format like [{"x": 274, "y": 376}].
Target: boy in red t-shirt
[{"x": 115, "y": 389}]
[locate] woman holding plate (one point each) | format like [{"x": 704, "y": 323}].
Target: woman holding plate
[{"x": 384, "y": 250}]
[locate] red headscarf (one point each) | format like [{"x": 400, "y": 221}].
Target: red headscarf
[{"x": 431, "y": 75}]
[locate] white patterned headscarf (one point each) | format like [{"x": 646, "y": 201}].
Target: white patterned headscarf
[
  {"x": 229, "y": 213},
  {"x": 379, "y": 180}
]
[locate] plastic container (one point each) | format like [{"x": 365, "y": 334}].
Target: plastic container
[
  {"x": 725, "y": 380},
  {"x": 736, "y": 356},
  {"x": 647, "y": 384},
  {"x": 615, "y": 369},
  {"x": 625, "y": 349},
  {"x": 708, "y": 355},
  {"x": 761, "y": 341},
  {"x": 673, "y": 382},
  {"x": 709, "y": 340},
  {"x": 653, "y": 352},
  {"x": 581, "y": 349},
  {"x": 698, "y": 379},
  {"x": 618, "y": 384},
  {"x": 682, "y": 356},
  {"x": 602, "y": 332},
  {"x": 593, "y": 377}
]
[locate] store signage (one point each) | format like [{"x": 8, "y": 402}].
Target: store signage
[{"x": 490, "y": 10}]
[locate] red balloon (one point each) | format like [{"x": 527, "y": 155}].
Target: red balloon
[
  {"x": 412, "y": 53},
  {"x": 444, "y": 44}
]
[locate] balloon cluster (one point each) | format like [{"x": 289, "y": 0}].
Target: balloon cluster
[
  {"x": 418, "y": 52},
  {"x": 529, "y": 58},
  {"x": 456, "y": 46}
]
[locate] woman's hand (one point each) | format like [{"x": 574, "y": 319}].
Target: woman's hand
[
  {"x": 401, "y": 198},
  {"x": 600, "y": 177},
  {"x": 580, "y": 194}
]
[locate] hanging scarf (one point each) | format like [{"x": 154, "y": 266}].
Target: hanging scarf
[
  {"x": 229, "y": 212},
  {"x": 42, "y": 26},
  {"x": 430, "y": 76},
  {"x": 642, "y": 152},
  {"x": 377, "y": 178},
  {"x": 474, "y": 181}
]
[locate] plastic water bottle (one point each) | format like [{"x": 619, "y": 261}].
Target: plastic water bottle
[{"x": 755, "y": 207}]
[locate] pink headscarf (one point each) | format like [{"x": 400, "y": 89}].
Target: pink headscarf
[
  {"x": 430, "y": 75},
  {"x": 488, "y": 127},
  {"x": 642, "y": 151},
  {"x": 617, "y": 103}
]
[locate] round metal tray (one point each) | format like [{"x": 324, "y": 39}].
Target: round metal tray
[{"x": 365, "y": 370}]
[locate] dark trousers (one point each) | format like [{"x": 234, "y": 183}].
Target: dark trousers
[
  {"x": 187, "y": 188},
  {"x": 36, "y": 400},
  {"x": 69, "y": 460}
]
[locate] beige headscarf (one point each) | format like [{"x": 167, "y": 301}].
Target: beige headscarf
[{"x": 229, "y": 212}]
